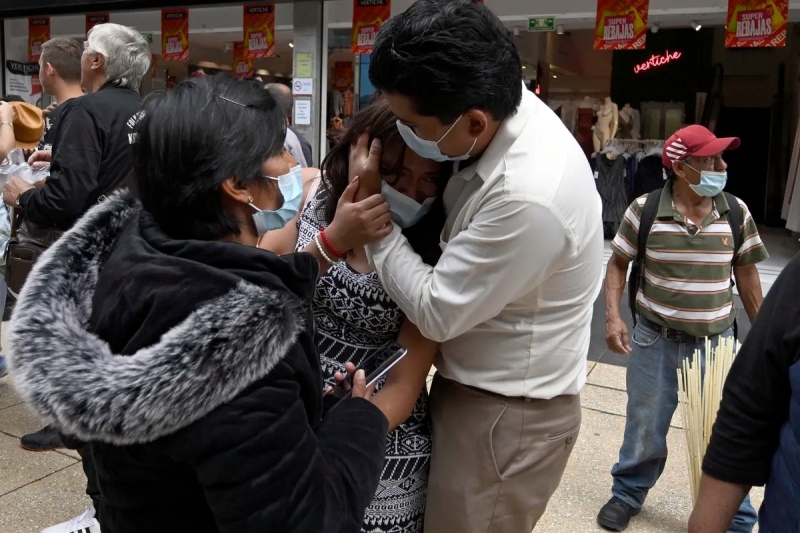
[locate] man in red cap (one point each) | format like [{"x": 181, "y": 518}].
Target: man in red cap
[{"x": 686, "y": 242}]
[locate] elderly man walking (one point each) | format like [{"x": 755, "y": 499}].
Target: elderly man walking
[{"x": 91, "y": 157}]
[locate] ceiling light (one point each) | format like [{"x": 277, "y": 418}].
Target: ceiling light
[
  {"x": 696, "y": 25},
  {"x": 291, "y": 45},
  {"x": 555, "y": 77},
  {"x": 524, "y": 67},
  {"x": 560, "y": 29},
  {"x": 655, "y": 28}
]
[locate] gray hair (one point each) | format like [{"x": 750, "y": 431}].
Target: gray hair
[
  {"x": 126, "y": 52},
  {"x": 283, "y": 95}
]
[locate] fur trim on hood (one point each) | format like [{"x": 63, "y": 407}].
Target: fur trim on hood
[{"x": 70, "y": 377}]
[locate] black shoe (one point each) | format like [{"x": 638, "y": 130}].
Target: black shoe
[
  {"x": 47, "y": 438},
  {"x": 616, "y": 515}
]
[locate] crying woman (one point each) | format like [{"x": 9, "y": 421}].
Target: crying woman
[{"x": 354, "y": 316}]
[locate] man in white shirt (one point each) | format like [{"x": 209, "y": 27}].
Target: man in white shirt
[{"x": 511, "y": 297}]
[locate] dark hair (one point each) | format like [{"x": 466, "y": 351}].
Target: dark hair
[
  {"x": 447, "y": 57},
  {"x": 12, "y": 98},
  {"x": 283, "y": 94},
  {"x": 65, "y": 56},
  {"x": 191, "y": 139},
  {"x": 381, "y": 123}
]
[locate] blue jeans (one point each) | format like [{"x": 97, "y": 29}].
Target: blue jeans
[{"x": 652, "y": 383}]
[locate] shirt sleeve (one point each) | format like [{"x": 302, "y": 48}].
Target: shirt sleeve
[
  {"x": 511, "y": 245},
  {"x": 755, "y": 400},
  {"x": 626, "y": 242},
  {"x": 73, "y": 172},
  {"x": 752, "y": 250}
]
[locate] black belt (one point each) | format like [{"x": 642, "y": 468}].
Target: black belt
[{"x": 670, "y": 334}]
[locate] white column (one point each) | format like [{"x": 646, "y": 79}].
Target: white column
[{"x": 311, "y": 37}]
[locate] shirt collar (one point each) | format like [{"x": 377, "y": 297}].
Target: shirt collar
[
  {"x": 510, "y": 129},
  {"x": 666, "y": 206}
]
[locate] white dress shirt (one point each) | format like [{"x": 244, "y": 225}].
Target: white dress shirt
[{"x": 511, "y": 298}]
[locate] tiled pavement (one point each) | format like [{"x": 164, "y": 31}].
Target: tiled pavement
[{"x": 41, "y": 489}]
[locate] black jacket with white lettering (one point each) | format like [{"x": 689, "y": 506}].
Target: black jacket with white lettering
[{"x": 92, "y": 156}]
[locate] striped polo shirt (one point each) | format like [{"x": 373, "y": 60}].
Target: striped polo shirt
[{"x": 687, "y": 267}]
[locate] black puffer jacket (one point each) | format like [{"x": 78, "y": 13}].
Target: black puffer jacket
[{"x": 190, "y": 369}]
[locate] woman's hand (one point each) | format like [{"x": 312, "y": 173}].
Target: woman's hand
[
  {"x": 358, "y": 223},
  {"x": 7, "y": 112},
  {"x": 365, "y": 163},
  {"x": 359, "y": 388}
]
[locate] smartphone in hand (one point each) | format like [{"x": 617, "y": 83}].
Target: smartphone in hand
[{"x": 391, "y": 353}]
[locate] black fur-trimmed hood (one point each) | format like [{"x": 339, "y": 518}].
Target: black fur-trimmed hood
[{"x": 72, "y": 378}]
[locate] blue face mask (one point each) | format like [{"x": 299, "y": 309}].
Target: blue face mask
[
  {"x": 406, "y": 211},
  {"x": 711, "y": 182},
  {"x": 430, "y": 149},
  {"x": 291, "y": 187}
]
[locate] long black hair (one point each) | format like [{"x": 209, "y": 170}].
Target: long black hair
[
  {"x": 380, "y": 122},
  {"x": 191, "y": 139}
]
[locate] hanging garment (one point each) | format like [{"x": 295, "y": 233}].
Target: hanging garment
[
  {"x": 610, "y": 180},
  {"x": 649, "y": 176}
]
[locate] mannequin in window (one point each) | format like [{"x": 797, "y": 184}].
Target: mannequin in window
[
  {"x": 629, "y": 123},
  {"x": 607, "y": 124}
]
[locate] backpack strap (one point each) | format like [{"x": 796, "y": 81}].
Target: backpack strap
[
  {"x": 735, "y": 217},
  {"x": 649, "y": 213}
]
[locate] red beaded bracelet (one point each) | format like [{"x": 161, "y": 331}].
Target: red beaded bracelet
[{"x": 334, "y": 251}]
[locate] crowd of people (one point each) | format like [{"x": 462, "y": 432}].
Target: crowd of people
[{"x": 206, "y": 290}]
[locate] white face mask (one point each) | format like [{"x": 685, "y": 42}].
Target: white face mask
[
  {"x": 427, "y": 149},
  {"x": 405, "y": 211}
]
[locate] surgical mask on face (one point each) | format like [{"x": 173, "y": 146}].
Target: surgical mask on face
[
  {"x": 291, "y": 187},
  {"x": 712, "y": 182},
  {"x": 405, "y": 211},
  {"x": 430, "y": 149}
]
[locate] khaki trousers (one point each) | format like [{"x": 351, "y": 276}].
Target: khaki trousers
[{"x": 496, "y": 461}]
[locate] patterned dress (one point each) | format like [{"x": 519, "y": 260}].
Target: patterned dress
[{"x": 354, "y": 317}]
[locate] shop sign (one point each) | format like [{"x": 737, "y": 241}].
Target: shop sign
[
  {"x": 756, "y": 23},
  {"x": 242, "y": 65},
  {"x": 368, "y": 17},
  {"x": 657, "y": 60},
  {"x": 38, "y": 34},
  {"x": 343, "y": 76},
  {"x": 621, "y": 24},
  {"x": 259, "y": 30},
  {"x": 93, "y": 19},
  {"x": 175, "y": 34},
  {"x": 541, "y": 24},
  {"x": 22, "y": 79}
]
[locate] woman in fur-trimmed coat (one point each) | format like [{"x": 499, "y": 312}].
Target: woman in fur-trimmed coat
[{"x": 156, "y": 332}]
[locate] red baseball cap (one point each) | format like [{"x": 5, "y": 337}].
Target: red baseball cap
[{"x": 695, "y": 141}]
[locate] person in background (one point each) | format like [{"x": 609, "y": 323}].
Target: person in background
[
  {"x": 60, "y": 75},
  {"x": 201, "y": 396},
  {"x": 685, "y": 299},
  {"x": 17, "y": 119},
  {"x": 511, "y": 297},
  {"x": 756, "y": 436},
  {"x": 296, "y": 143},
  {"x": 91, "y": 158},
  {"x": 355, "y": 316}
]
